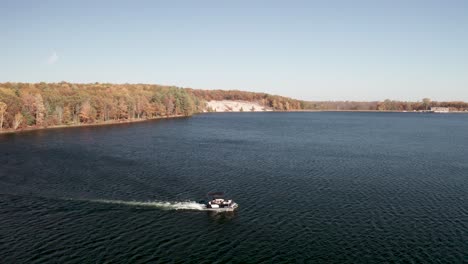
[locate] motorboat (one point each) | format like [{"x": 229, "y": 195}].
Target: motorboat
[{"x": 217, "y": 202}]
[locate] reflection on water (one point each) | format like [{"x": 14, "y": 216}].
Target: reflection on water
[{"x": 222, "y": 217}]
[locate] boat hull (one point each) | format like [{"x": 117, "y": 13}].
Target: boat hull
[{"x": 229, "y": 208}]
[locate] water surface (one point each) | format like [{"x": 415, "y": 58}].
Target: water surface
[{"x": 312, "y": 187}]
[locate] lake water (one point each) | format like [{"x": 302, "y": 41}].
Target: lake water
[{"x": 312, "y": 187}]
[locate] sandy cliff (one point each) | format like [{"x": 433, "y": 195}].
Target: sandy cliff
[{"x": 236, "y": 106}]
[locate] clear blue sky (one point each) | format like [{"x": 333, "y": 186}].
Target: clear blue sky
[{"x": 312, "y": 50}]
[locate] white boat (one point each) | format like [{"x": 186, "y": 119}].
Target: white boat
[{"x": 218, "y": 203}]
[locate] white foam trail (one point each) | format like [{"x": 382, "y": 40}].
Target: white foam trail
[{"x": 188, "y": 205}]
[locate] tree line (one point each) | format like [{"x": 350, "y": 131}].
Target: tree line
[
  {"x": 386, "y": 105},
  {"x": 51, "y": 104}
]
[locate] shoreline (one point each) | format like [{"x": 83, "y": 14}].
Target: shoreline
[
  {"x": 105, "y": 123},
  {"x": 118, "y": 122},
  {"x": 352, "y": 111},
  {"x": 379, "y": 111}
]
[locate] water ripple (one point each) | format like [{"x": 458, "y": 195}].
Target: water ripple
[{"x": 313, "y": 188}]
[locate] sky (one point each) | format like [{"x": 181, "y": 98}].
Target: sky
[{"x": 311, "y": 50}]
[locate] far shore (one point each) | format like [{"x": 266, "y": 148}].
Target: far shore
[
  {"x": 104, "y": 123},
  {"x": 354, "y": 111},
  {"x": 380, "y": 111}
]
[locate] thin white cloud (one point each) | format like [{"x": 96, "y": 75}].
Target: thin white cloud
[{"x": 53, "y": 58}]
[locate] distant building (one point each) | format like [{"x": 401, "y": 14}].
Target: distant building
[{"x": 440, "y": 109}]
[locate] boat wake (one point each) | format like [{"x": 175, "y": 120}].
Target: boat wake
[{"x": 188, "y": 205}]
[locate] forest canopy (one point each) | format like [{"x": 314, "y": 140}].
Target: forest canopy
[{"x": 49, "y": 104}]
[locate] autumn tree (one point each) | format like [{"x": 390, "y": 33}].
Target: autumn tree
[
  {"x": 426, "y": 103},
  {"x": 85, "y": 112},
  {"x": 169, "y": 104},
  {"x": 18, "y": 120},
  {"x": 40, "y": 109},
  {"x": 67, "y": 116},
  {"x": 3, "y": 108},
  {"x": 122, "y": 109},
  {"x": 58, "y": 114}
]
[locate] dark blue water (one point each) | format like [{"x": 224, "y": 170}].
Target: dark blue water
[{"x": 312, "y": 187}]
